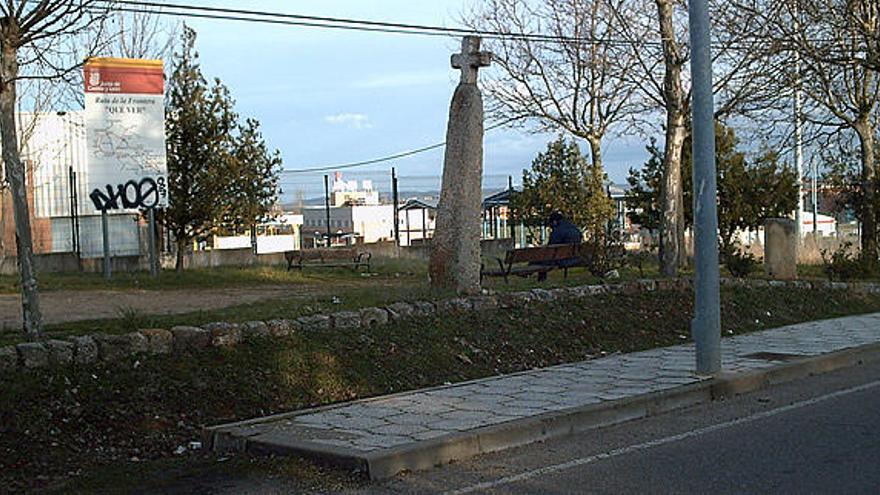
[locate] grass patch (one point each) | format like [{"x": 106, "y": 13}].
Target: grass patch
[
  {"x": 212, "y": 278},
  {"x": 378, "y": 293},
  {"x": 396, "y": 280},
  {"x": 78, "y": 423}
]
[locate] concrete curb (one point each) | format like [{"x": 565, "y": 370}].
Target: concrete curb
[{"x": 381, "y": 464}]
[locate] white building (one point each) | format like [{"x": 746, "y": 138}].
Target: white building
[
  {"x": 348, "y": 193},
  {"x": 348, "y": 224},
  {"x": 275, "y": 236},
  {"x": 825, "y": 225}
]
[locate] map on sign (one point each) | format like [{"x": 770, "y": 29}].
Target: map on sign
[{"x": 120, "y": 145}]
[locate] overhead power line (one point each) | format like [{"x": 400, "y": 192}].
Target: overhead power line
[
  {"x": 260, "y": 16},
  {"x": 397, "y": 156}
]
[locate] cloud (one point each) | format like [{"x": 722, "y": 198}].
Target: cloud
[{"x": 352, "y": 120}]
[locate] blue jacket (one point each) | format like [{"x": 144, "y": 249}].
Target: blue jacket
[{"x": 565, "y": 232}]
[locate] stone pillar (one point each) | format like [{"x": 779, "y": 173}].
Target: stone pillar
[
  {"x": 780, "y": 248},
  {"x": 455, "y": 253}
]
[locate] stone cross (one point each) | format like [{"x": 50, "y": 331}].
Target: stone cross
[
  {"x": 470, "y": 59},
  {"x": 455, "y": 248}
]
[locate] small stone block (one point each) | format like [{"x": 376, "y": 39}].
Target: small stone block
[
  {"x": 281, "y": 327},
  {"x": 224, "y": 334},
  {"x": 33, "y": 355},
  {"x": 400, "y": 311},
  {"x": 60, "y": 352},
  {"x": 516, "y": 299},
  {"x": 373, "y": 316},
  {"x": 118, "y": 347},
  {"x": 560, "y": 293},
  {"x": 484, "y": 303},
  {"x": 614, "y": 289},
  {"x": 190, "y": 338},
  {"x": 254, "y": 330},
  {"x": 424, "y": 308},
  {"x": 456, "y": 305},
  {"x": 137, "y": 343},
  {"x": 314, "y": 322},
  {"x": 8, "y": 358},
  {"x": 159, "y": 340},
  {"x": 85, "y": 349},
  {"x": 648, "y": 285},
  {"x": 346, "y": 320},
  {"x": 543, "y": 295}
]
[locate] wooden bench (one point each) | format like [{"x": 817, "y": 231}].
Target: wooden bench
[
  {"x": 534, "y": 257},
  {"x": 328, "y": 258}
]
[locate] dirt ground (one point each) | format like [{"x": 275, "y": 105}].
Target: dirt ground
[{"x": 65, "y": 306}]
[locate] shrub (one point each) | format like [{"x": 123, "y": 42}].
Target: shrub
[
  {"x": 842, "y": 264},
  {"x": 603, "y": 253},
  {"x": 740, "y": 264}
]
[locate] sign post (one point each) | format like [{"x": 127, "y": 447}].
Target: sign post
[
  {"x": 105, "y": 234},
  {"x": 151, "y": 242}
]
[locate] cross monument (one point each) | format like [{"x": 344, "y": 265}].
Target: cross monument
[{"x": 455, "y": 249}]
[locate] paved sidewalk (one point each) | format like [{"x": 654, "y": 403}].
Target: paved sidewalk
[{"x": 417, "y": 429}]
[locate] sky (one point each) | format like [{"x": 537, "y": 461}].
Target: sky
[{"x": 327, "y": 97}]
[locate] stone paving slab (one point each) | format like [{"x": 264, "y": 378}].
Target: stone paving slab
[{"x": 368, "y": 429}]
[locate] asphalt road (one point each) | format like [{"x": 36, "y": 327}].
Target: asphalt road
[{"x": 817, "y": 435}]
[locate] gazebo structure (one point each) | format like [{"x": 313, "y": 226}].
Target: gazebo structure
[
  {"x": 417, "y": 220},
  {"x": 498, "y": 221}
]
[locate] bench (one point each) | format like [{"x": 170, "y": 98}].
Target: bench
[
  {"x": 328, "y": 258},
  {"x": 533, "y": 256}
]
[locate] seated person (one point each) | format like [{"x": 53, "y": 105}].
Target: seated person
[{"x": 562, "y": 231}]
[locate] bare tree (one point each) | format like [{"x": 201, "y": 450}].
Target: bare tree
[
  {"x": 141, "y": 34},
  {"x": 32, "y": 33},
  {"x": 656, "y": 32},
  {"x": 574, "y": 79},
  {"x": 838, "y": 45}
]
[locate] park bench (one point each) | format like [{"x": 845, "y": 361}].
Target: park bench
[
  {"x": 524, "y": 262},
  {"x": 328, "y": 258}
]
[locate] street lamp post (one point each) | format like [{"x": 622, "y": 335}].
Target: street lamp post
[{"x": 706, "y": 326}]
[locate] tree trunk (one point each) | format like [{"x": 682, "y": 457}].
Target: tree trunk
[
  {"x": 595, "y": 151},
  {"x": 869, "y": 223},
  {"x": 181, "y": 251},
  {"x": 672, "y": 223},
  {"x": 672, "y": 253},
  {"x": 15, "y": 174}
]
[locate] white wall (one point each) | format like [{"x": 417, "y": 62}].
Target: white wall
[
  {"x": 265, "y": 243},
  {"x": 374, "y": 223}
]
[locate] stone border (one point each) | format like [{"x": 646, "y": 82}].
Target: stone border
[{"x": 101, "y": 347}]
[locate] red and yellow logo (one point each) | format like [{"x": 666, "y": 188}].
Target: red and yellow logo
[{"x": 125, "y": 76}]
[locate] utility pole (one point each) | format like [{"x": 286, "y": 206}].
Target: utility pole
[
  {"x": 798, "y": 141},
  {"x": 396, "y": 200},
  {"x": 815, "y": 199},
  {"x": 706, "y": 326},
  {"x": 327, "y": 205},
  {"x": 72, "y": 185},
  {"x": 511, "y": 225}
]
